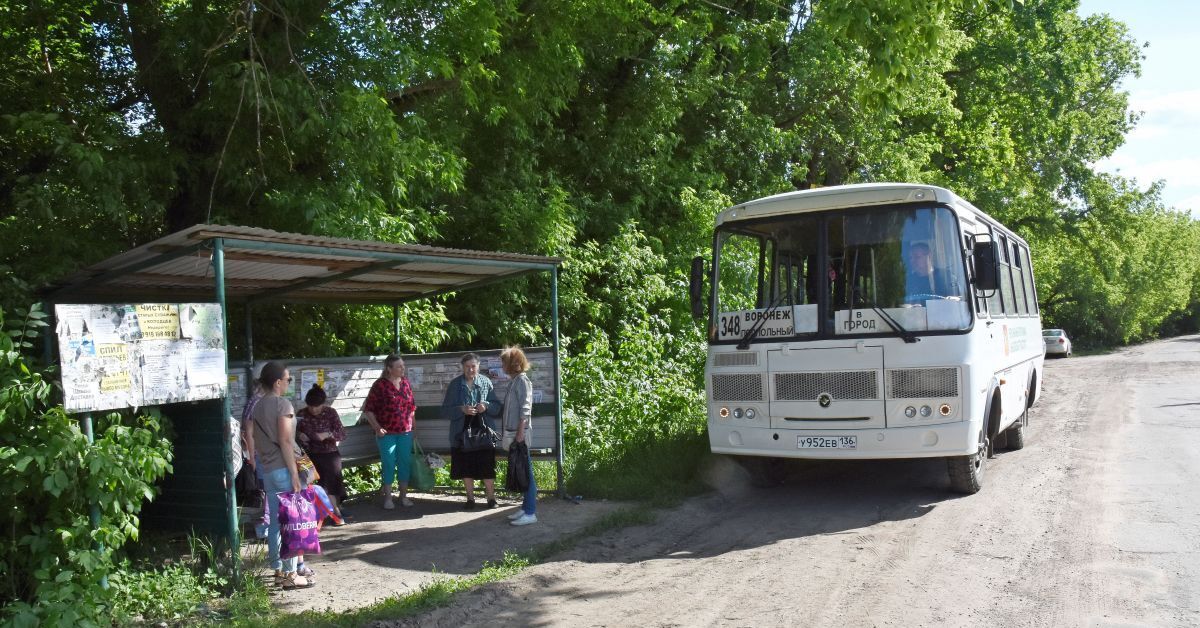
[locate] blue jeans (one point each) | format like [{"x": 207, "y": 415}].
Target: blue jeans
[
  {"x": 395, "y": 453},
  {"x": 276, "y": 482},
  {"x": 529, "y": 506}
]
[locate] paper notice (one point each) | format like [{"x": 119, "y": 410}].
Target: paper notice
[
  {"x": 201, "y": 321},
  {"x": 72, "y": 315},
  {"x": 538, "y": 396},
  {"x": 115, "y": 382},
  {"x": 308, "y": 377},
  {"x": 102, "y": 323},
  {"x": 116, "y": 352},
  {"x": 80, "y": 395},
  {"x": 163, "y": 376},
  {"x": 159, "y": 321},
  {"x": 416, "y": 375},
  {"x": 80, "y": 348},
  {"x": 205, "y": 367}
]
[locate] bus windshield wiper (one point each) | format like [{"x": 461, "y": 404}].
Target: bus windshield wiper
[
  {"x": 906, "y": 335},
  {"x": 745, "y": 342}
]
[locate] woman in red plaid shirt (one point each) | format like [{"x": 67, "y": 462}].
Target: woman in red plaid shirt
[{"x": 390, "y": 410}]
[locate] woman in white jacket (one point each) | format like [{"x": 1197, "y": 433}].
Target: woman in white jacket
[{"x": 517, "y": 415}]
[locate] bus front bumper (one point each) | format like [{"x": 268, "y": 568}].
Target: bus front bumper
[{"x": 925, "y": 441}]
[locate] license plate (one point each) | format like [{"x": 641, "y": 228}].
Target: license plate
[{"x": 827, "y": 442}]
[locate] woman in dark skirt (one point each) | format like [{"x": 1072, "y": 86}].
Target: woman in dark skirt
[
  {"x": 467, "y": 399},
  {"x": 319, "y": 430}
]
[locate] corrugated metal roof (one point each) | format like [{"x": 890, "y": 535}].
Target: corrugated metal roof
[{"x": 265, "y": 265}]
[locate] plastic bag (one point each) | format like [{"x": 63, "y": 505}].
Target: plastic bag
[
  {"x": 324, "y": 506},
  {"x": 298, "y": 524},
  {"x": 420, "y": 476},
  {"x": 517, "y": 478}
]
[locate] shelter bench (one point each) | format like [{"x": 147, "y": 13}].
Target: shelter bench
[{"x": 347, "y": 380}]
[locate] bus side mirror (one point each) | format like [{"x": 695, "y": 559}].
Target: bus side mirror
[
  {"x": 985, "y": 266},
  {"x": 696, "y": 287}
]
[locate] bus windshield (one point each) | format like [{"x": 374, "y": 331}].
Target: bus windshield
[{"x": 838, "y": 273}]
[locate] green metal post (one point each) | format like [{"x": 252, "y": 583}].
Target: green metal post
[
  {"x": 249, "y": 353},
  {"x": 235, "y": 543},
  {"x": 395, "y": 329},
  {"x": 50, "y": 336},
  {"x": 94, "y": 510},
  {"x": 557, "y": 380}
]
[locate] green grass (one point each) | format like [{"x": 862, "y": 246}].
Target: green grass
[{"x": 660, "y": 472}]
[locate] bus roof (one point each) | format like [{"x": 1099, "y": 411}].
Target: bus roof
[{"x": 841, "y": 196}]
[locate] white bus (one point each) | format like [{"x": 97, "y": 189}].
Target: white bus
[{"x": 865, "y": 322}]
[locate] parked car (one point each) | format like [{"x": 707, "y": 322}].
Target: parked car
[{"x": 1057, "y": 342}]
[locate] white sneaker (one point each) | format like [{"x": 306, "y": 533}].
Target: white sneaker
[
  {"x": 406, "y": 502},
  {"x": 524, "y": 520},
  {"x": 387, "y": 503},
  {"x": 516, "y": 514}
]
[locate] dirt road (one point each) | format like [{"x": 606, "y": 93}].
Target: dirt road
[{"x": 1096, "y": 522}]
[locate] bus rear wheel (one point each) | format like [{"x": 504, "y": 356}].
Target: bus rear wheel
[
  {"x": 966, "y": 472},
  {"x": 1014, "y": 436}
]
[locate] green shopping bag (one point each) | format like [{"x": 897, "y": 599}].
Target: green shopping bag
[{"x": 420, "y": 476}]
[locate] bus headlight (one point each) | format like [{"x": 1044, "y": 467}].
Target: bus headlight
[
  {"x": 750, "y": 413},
  {"x": 926, "y": 411},
  {"x": 910, "y": 412},
  {"x": 737, "y": 413},
  {"x": 723, "y": 413}
]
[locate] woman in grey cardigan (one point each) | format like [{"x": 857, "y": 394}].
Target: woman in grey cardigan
[{"x": 517, "y": 419}]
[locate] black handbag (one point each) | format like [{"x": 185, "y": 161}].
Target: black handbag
[
  {"x": 517, "y": 479},
  {"x": 477, "y": 436}
]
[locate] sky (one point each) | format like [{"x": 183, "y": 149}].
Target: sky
[{"x": 1165, "y": 144}]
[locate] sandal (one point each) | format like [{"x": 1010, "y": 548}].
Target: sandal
[
  {"x": 295, "y": 581},
  {"x": 305, "y": 570}
]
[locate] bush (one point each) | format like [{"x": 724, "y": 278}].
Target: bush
[{"x": 52, "y": 556}]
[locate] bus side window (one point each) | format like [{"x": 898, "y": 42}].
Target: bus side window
[
  {"x": 1018, "y": 275},
  {"x": 1005, "y": 279},
  {"x": 1027, "y": 271},
  {"x": 995, "y": 302},
  {"x": 968, "y": 246}
]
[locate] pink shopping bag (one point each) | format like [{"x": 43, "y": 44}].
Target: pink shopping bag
[{"x": 298, "y": 524}]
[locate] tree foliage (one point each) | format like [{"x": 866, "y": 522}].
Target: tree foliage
[{"x": 52, "y": 556}]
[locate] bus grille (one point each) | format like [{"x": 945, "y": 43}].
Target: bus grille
[
  {"x": 741, "y": 358},
  {"x": 737, "y": 387},
  {"x": 922, "y": 383},
  {"x": 842, "y": 385}
]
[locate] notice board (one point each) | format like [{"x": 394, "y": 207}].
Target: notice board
[{"x": 133, "y": 355}]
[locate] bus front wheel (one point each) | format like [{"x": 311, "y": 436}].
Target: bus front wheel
[{"x": 966, "y": 472}]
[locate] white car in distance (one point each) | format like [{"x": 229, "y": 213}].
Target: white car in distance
[{"x": 1056, "y": 342}]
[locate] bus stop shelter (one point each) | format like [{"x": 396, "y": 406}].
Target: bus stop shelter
[{"x": 255, "y": 267}]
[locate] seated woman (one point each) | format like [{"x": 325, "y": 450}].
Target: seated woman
[{"x": 319, "y": 430}]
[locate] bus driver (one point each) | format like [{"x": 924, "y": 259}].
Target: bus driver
[{"x": 922, "y": 279}]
